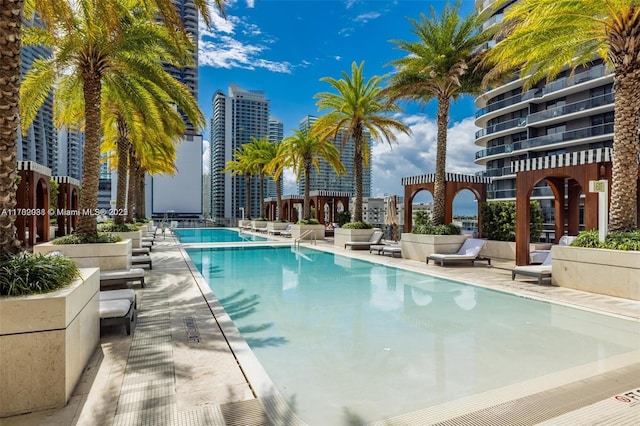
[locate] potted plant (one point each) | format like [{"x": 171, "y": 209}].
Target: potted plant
[
  {"x": 352, "y": 231},
  {"x": 303, "y": 227},
  {"x": 426, "y": 238},
  {"x": 49, "y": 328},
  {"x": 106, "y": 251}
]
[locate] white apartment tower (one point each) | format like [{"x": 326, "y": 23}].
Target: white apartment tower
[
  {"x": 237, "y": 117},
  {"x": 327, "y": 178},
  {"x": 572, "y": 113}
]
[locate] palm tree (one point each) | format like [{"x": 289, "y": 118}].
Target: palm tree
[
  {"x": 440, "y": 65},
  {"x": 10, "y": 47},
  {"x": 274, "y": 168},
  {"x": 261, "y": 152},
  {"x": 95, "y": 55},
  {"x": 358, "y": 108},
  {"x": 545, "y": 36},
  {"x": 242, "y": 164},
  {"x": 302, "y": 150}
]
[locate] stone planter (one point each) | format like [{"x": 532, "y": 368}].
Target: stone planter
[
  {"x": 106, "y": 256},
  {"x": 259, "y": 225},
  {"x": 341, "y": 235},
  {"x": 46, "y": 341},
  {"x": 276, "y": 226},
  {"x": 318, "y": 231},
  {"x": 506, "y": 250},
  {"x": 134, "y": 236},
  {"x": 611, "y": 272},
  {"x": 419, "y": 246},
  {"x": 244, "y": 223}
]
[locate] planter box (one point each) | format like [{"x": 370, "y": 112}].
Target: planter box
[
  {"x": 259, "y": 225},
  {"x": 419, "y": 246},
  {"x": 134, "y": 236},
  {"x": 611, "y": 272},
  {"x": 506, "y": 250},
  {"x": 46, "y": 341},
  {"x": 297, "y": 230},
  {"x": 244, "y": 223},
  {"x": 106, "y": 256},
  {"x": 276, "y": 226},
  {"x": 341, "y": 235}
]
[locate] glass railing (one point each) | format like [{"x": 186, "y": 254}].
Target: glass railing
[
  {"x": 494, "y": 150},
  {"x": 562, "y": 83},
  {"x": 571, "y": 108},
  {"x": 501, "y": 194},
  {"x": 505, "y": 125}
]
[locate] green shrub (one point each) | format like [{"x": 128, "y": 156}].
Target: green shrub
[
  {"x": 421, "y": 218},
  {"x": 357, "y": 225},
  {"x": 499, "y": 220},
  {"x": 344, "y": 217},
  {"x": 431, "y": 229},
  {"x": 626, "y": 241},
  {"x": 112, "y": 227},
  {"x": 26, "y": 273},
  {"x": 308, "y": 222},
  {"x": 86, "y": 239}
]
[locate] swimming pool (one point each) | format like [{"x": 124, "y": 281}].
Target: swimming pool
[
  {"x": 214, "y": 235},
  {"x": 348, "y": 342}
]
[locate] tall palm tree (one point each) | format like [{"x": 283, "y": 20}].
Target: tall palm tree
[
  {"x": 95, "y": 54},
  {"x": 261, "y": 152},
  {"x": 275, "y": 168},
  {"x": 359, "y": 107},
  {"x": 302, "y": 150},
  {"x": 10, "y": 47},
  {"x": 242, "y": 165},
  {"x": 440, "y": 65},
  {"x": 545, "y": 36}
]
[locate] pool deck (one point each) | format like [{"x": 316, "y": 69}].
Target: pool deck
[{"x": 178, "y": 368}]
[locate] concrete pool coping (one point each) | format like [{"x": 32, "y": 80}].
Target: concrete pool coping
[{"x": 207, "y": 382}]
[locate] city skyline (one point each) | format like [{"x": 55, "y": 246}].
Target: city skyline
[{"x": 284, "y": 48}]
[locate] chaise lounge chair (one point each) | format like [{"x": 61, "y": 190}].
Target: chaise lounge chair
[
  {"x": 116, "y": 312},
  {"x": 469, "y": 252},
  {"x": 364, "y": 245},
  {"x": 537, "y": 271},
  {"x": 121, "y": 277}
]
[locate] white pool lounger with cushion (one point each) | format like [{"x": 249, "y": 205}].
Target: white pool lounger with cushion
[
  {"x": 142, "y": 260},
  {"x": 116, "y": 312},
  {"x": 373, "y": 240},
  {"x": 122, "y": 294},
  {"x": 122, "y": 276},
  {"x": 537, "y": 271},
  {"x": 469, "y": 252}
]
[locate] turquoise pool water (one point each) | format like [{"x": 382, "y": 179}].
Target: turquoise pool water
[
  {"x": 214, "y": 235},
  {"x": 348, "y": 342}
]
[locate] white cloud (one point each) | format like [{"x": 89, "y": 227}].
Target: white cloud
[
  {"x": 366, "y": 17},
  {"x": 206, "y": 152},
  {"x": 416, "y": 154},
  {"x": 250, "y": 4},
  {"x": 289, "y": 182}
]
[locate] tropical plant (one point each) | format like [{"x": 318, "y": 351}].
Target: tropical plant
[
  {"x": 344, "y": 217},
  {"x": 499, "y": 220},
  {"x": 241, "y": 165},
  {"x": 274, "y": 168},
  {"x": 357, "y": 225},
  {"x": 614, "y": 241},
  {"x": 49, "y": 12},
  {"x": 26, "y": 273},
  {"x": 543, "y": 37},
  {"x": 359, "y": 108},
  {"x": 261, "y": 152},
  {"x": 302, "y": 150},
  {"x": 443, "y": 64},
  {"x": 424, "y": 225},
  {"x": 86, "y": 239}
]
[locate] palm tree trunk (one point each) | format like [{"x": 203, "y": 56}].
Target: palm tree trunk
[
  {"x": 141, "y": 206},
  {"x": 133, "y": 164},
  {"x": 441, "y": 161},
  {"x": 10, "y": 44},
  {"x": 87, "y": 224},
  {"x": 247, "y": 199},
  {"x": 123, "y": 168},
  {"x": 262, "y": 195},
  {"x": 306, "y": 207},
  {"x": 278, "y": 199},
  {"x": 626, "y": 150},
  {"x": 357, "y": 172}
]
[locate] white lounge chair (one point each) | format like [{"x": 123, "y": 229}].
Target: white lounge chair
[
  {"x": 364, "y": 245},
  {"x": 122, "y": 294},
  {"x": 116, "y": 312},
  {"x": 142, "y": 260},
  {"x": 121, "y": 277},
  {"x": 284, "y": 232},
  {"x": 537, "y": 271},
  {"x": 469, "y": 252}
]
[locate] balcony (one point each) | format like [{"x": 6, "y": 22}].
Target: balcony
[
  {"x": 505, "y": 125},
  {"x": 571, "y": 108},
  {"x": 500, "y": 149}
]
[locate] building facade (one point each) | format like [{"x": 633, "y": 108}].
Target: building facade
[
  {"x": 572, "y": 113},
  {"x": 327, "y": 179},
  {"x": 238, "y": 117}
]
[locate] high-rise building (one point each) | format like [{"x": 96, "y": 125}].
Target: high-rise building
[
  {"x": 237, "y": 117},
  {"x": 327, "y": 179},
  {"x": 276, "y": 134},
  {"x": 41, "y": 142},
  {"x": 70, "y": 151},
  {"x": 181, "y": 194},
  {"x": 572, "y": 113}
]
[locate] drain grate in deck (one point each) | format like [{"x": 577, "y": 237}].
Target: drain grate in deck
[{"x": 191, "y": 328}]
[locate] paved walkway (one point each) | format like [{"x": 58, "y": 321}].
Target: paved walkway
[{"x": 177, "y": 367}]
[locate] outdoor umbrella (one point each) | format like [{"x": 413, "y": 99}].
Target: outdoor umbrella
[{"x": 391, "y": 216}]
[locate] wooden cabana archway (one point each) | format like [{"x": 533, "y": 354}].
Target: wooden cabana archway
[
  {"x": 318, "y": 200},
  {"x": 32, "y": 207},
  {"x": 454, "y": 183},
  {"x": 568, "y": 176},
  {"x": 68, "y": 197}
]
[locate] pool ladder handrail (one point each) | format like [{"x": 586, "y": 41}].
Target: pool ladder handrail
[{"x": 298, "y": 240}]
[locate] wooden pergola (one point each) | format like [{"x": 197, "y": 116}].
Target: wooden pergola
[
  {"x": 454, "y": 183},
  {"x": 32, "y": 207},
  {"x": 568, "y": 176},
  {"x": 68, "y": 196},
  {"x": 333, "y": 201}
]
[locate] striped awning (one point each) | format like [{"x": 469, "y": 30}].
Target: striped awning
[
  {"x": 66, "y": 179},
  {"x": 450, "y": 177},
  {"x": 598, "y": 155},
  {"x": 34, "y": 167}
]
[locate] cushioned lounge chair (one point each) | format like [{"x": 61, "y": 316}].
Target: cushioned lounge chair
[
  {"x": 286, "y": 231},
  {"x": 392, "y": 250},
  {"x": 123, "y": 294},
  {"x": 116, "y": 312},
  {"x": 469, "y": 252},
  {"x": 121, "y": 277},
  {"x": 364, "y": 245},
  {"x": 537, "y": 271},
  {"x": 142, "y": 261}
]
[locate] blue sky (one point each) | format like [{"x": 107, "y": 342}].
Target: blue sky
[{"x": 284, "y": 47}]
